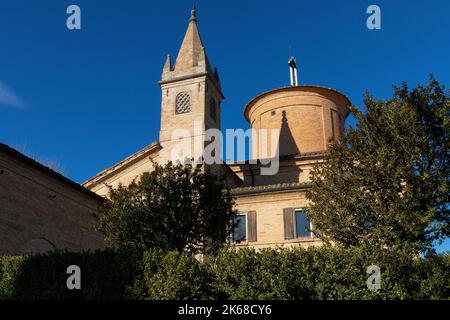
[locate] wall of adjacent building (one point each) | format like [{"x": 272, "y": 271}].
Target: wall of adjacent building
[{"x": 39, "y": 212}]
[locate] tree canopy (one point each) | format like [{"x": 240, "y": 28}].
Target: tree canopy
[
  {"x": 387, "y": 181},
  {"x": 174, "y": 207}
]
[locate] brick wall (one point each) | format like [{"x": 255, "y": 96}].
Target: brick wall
[
  {"x": 309, "y": 117},
  {"x": 39, "y": 212},
  {"x": 269, "y": 217}
]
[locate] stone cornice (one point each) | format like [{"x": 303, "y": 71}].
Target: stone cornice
[
  {"x": 270, "y": 188},
  {"x": 193, "y": 76}
]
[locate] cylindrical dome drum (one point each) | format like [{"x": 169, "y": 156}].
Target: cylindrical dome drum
[{"x": 308, "y": 117}]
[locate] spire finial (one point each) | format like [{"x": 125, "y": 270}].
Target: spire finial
[
  {"x": 168, "y": 65},
  {"x": 193, "y": 14}
]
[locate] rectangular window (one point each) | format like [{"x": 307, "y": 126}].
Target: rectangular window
[
  {"x": 240, "y": 228},
  {"x": 302, "y": 224}
]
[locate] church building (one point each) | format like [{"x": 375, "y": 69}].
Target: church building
[{"x": 271, "y": 207}]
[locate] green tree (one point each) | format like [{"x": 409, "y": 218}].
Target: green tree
[
  {"x": 387, "y": 181},
  {"x": 174, "y": 207}
]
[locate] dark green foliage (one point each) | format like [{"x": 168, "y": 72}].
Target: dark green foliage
[
  {"x": 387, "y": 182},
  {"x": 175, "y": 276},
  {"x": 10, "y": 268},
  {"x": 314, "y": 273},
  {"x": 435, "y": 274},
  {"x": 174, "y": 207},
  {"x": 246, "y": 274},
  {"x": 104, "y": 275}
]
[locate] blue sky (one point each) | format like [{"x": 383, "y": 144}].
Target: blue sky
[{"x": 86, "y": 99}]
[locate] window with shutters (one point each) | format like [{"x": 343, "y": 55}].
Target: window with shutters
[
  {"x": 296, "y": 224},
  {"x": 240, "y": 228},
  {"x": 251, "y": 226},
  {"x": 182, "y": 103},
  {"x": 302, "y": 224}
]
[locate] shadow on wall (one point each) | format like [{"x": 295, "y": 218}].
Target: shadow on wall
[
  {"x": 288, "y": 172},
  {"x": 286, "y": 142}
]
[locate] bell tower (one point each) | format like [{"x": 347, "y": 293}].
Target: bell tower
[{"x": 191, "y": 99}]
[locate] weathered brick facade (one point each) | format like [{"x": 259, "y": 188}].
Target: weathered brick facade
[{"x": 308, "y": 117}]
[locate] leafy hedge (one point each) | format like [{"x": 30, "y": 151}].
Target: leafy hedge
[
  {"x": 104, "y": 275},
  {"x": 314, "y": 273}
]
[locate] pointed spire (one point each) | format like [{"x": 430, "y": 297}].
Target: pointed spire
[
  {"x": 168, "y": 64},
  {"x": 192, "y": 52}
]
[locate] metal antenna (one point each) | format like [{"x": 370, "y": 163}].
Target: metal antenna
[{"x": 293, "y": 71}]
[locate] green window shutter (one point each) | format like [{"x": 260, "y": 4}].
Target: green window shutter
[
  {"x": 252, "y": 227},
  {"x": 288, "y": 217}
]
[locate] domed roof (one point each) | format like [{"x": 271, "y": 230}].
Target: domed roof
[{"x": 291, "y": 88}]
